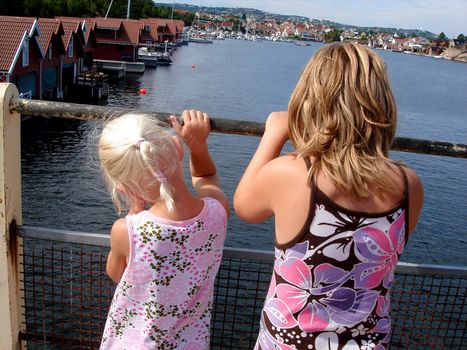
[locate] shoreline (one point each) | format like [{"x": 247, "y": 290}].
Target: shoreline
[{"x": 451, "y": 54}]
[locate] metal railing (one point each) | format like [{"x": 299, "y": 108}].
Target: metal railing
[
  {"x": 226, "y": 126},
  {"x": 57, "y": 285},
  {"x": 67, "y": 296}
]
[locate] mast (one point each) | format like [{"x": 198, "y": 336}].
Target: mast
[
  {"x": 128, "y": 10},
  {"x": 108, "y": 10}
]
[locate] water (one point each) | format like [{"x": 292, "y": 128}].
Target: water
[{"x": 62, "y": 187}]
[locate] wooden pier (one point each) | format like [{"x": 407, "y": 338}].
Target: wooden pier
[{"x": 118, "y": 69}]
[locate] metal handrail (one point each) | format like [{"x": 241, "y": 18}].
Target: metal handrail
[
  {"x": 228, "y": 126},
  {"x": 102, "y": 240}
]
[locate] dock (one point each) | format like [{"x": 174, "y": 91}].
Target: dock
[
  {"x": 92, "y": 86},
  {"x": 118, "y": 69}
]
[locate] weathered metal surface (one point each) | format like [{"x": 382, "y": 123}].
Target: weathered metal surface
[
  {"x": 227, "y": 126},
  {"x": 102, "y": 240},
  {"x": 11, "y": 302},
  {"x": 430, "y": 147}
]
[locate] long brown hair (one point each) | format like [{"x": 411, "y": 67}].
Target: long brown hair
[{"x": 342, "y": 112}]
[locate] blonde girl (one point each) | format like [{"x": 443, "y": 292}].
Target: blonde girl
[
  {"x": 166, "y": 252},
  {"x": 343, "y": 210}
]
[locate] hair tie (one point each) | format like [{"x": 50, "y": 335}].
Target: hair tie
[
  {"x": 139, "y": 142},
  {"x": 160, "y": 176}
]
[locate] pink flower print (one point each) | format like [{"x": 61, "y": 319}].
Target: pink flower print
[
  {"x": 272, "y": 287},
  {"x": 198, "y": 239},
  {"x": 132, "y": 333},
  {"x": 205, "y": 260},
  {"x": 175, "y": 293},
  {"x": 295, "y": 298},
  {"x": 314, "y": 318},
  {"x": 218, "y": 242},
  {"x": 279, "y": 314},
  {"x": 382, "y": 307},
  {"x": 194, "y": 346},
  {"x": 139, "y": 274},
  {"x": 378, "y": 252},
  {"x": 296, "y": 272},
  {"x": 166, "y": 322},
  {"x": 297, "y": 251},
  {"x": 165, "y": 248},
  {"x": 382, "y": 326}
]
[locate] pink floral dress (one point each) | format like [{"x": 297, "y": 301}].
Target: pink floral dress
[
  {"x": 164, "y": 299},
  {"x": 330, "y": 288}
]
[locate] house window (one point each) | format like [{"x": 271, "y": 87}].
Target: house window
[
  {"x": 70, "y": 47},
  {"x": 26, "y": 52},
  {"x": 50, "y": 51}
]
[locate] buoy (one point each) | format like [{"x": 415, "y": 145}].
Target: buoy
[
  {"x": 193, "y": 66},
  {"x": 143, "y": 91}
]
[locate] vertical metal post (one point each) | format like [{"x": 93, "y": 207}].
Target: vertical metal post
[
  {"x": 128, "y": 10},
  {"x": 11, "y": 301}
]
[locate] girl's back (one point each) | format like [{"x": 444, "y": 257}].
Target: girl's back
[
  {"x": 164, "y": 298},
  {"x": 334, "y": 264},
  {"x": 293, "y": 194}
]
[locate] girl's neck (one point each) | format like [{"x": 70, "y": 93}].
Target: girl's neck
[{"x": 186, "y": 205}]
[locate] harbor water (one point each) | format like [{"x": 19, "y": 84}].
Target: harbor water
[{"x": 62, "y": 186}]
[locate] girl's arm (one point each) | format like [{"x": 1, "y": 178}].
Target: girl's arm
[
  {"x": 252, "y": 199},
  {"x": 119, "y": 250},
  {"x": 195, "y": 131}
]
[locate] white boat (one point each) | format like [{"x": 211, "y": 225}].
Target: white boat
[
  {"x": 149, "y": 58},
  {"x": 199, "y": 39}
]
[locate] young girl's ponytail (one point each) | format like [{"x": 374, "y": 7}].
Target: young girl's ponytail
[
  {"x": 149, "y": 155},
  {"x": 166, "y": 195}
]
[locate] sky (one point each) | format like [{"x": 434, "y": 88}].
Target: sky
[{"x": 436, "y": 16}]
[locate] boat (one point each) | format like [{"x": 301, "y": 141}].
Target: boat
[
  {"x": 149, "y": 58},
  {"x": 163, "y": 59},
  {"x": 199, "y": 39}
]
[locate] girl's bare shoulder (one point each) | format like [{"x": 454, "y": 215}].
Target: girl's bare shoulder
[{"x": 287, "y": 169}]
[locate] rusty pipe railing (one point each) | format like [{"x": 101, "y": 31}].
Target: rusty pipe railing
[{"x": 227, "y": 126}]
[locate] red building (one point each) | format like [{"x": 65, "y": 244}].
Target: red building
[
  {"x": 117, "y": 39},
  {"x": 73, "y": 41},
  {"x": 51, "y": 33},
  {"x": 149, "y": 35},
  {"x": 88, "y": 27},
  {"x": 21, "y": 54}
]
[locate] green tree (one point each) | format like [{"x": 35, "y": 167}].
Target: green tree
[
  {"x": 442, "y": 36},
  {"x": 332, "y": 36},
  {"x": 461, "y": 38}
]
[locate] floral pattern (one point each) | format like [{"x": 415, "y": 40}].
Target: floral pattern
[
  {"x": 164, "y": 299},
  {"x": 331, "y": 288}
]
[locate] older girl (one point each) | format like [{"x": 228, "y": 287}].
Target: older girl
[{"x": 343, "y": 210}]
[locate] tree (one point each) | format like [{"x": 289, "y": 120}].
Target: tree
[
  {"x": 333, "y": 35},
  {"x": 442, "y": 36},
  {"x": 461, "y": 38}
]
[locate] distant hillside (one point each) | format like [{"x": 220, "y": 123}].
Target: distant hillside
[
  {"x": 399, "y": 31},
  {"x": 240, "y": 11},
  {"x": 234, "y": 11}
]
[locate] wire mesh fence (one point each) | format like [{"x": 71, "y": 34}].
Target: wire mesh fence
[{"x": 67, "y": 295}]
